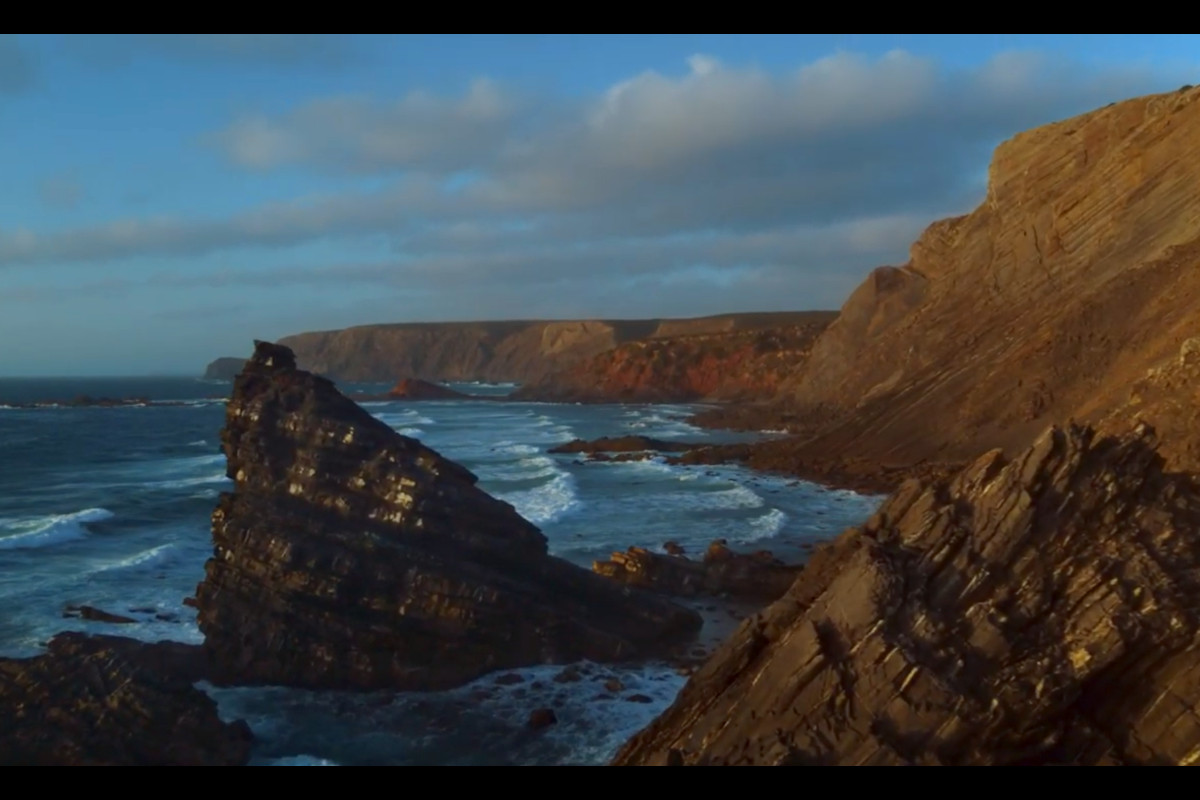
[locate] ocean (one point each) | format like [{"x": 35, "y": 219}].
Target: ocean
[{"x": 110, "y": 507}]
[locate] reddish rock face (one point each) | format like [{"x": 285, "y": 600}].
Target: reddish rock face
[
  {"x": 1029, "y": 611},
  {"x": 108, "y": 700},
  {"x": 351, "y": 556},
  {"x": 725, "y": 365}
]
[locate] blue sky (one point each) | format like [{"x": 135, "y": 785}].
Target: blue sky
[{"x": 168, "y": 198}]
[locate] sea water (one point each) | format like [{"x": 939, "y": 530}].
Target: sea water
[{"x": 110, "y": 507}]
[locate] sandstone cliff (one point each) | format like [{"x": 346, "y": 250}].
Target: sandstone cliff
[
  {"x": 680, "y": 366},
  {"x": 1033, "y": 611},
  {"x": 522, "y": 351},
  {"x": 351, "y": 556},
  {"x": 1073, "y": 279}
]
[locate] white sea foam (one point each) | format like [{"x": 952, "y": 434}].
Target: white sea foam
[
  {"x": 766, "y": 526},
  {"x": 198, "y": 443},
  {"x": 49, "y": 530},
  {"x": 545, "y": 503},
  {"x": 155, "y": 556},
  {"x": 525, "y": 469}
]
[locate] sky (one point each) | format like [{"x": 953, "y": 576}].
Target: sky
[{"x": 168, "y": 198}]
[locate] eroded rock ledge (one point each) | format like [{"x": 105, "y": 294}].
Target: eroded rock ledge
[
  {"x": 351, "y": 556},
  {"x": 107, "y": 700},
  {"x": 1033, "y": 611}
]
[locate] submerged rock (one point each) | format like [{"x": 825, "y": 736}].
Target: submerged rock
[
  {"x": 750, "y": 576},
  {"x": 1034, "y": 611},
  {"x": 108, "y": 700},
  {"x": 350, "y": 556}
]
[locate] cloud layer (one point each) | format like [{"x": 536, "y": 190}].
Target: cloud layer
[{"x": 720, "y": 187}]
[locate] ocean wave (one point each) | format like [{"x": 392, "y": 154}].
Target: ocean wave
[
  {"x": 198, "y": 443},
  {"x": 49, "y": 530},
  {"x": 155, "y": 556},
  {"x": 546, "y": 503},
  {"x": 524, "y": 469},
  {"x": 182, "y": 483},
  {"x": 765, "y": 527}
]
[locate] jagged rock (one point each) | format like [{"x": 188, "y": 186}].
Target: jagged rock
[
  {"x": 351, "y": 556},
  {"x": 753, "y": 576},
  {"x": 108, "y": 700},
  {"x": 1034, "y": 611},
  {"x": 98, "y": 615}
]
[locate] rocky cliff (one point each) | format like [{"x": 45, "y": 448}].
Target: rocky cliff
[
  {"x": 1036, "y": 610},
  {"x": 682, "y": 366},
  {"x": 351, "y": 556},
  {"x": 1073, "y": 279},
  {"x": 523, "y": 351}
]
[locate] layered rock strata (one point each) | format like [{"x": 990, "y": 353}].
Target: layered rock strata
[
  {"x": 351, "y": 556},
  {"x": 1036, "y": 610}
]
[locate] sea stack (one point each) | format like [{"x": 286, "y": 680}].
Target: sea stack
[
  {"x": 1039, "y": 610},
  {"x": 349, "y": 556}
]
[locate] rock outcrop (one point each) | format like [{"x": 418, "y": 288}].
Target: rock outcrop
[
  {"x": 522, "y": 351},
  {"x": 351, "y": 556},
  {"x": 417, "y": 389},
  {"x": 745, "y": 576},
  {"x": 1074, "y": 278},
  {"x": 107, "y": 700},
  {"x": 1039, "y": 610},
  {"x": 688, "y": 364}
]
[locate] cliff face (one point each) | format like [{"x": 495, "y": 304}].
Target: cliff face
[
  {"x": 1033, "y": 611},
  {"x": 1075, "y": 277},
  {"x": 679, "y": 367},
  {"x": 351, "y": 556},
  {"x": 523, "y": 351}
]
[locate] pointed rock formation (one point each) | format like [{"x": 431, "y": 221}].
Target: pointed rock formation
[
  {"x": 351, "y": 556},
  {"x": 1033, "y": 611},
  {"x": 112, "y": 701}
]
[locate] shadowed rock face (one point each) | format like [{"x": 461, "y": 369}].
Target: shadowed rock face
[
  {"x": 1033, "y": 611},
  {"x": 108, "y": 700},
  {"x": 351, "y": 556}
]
